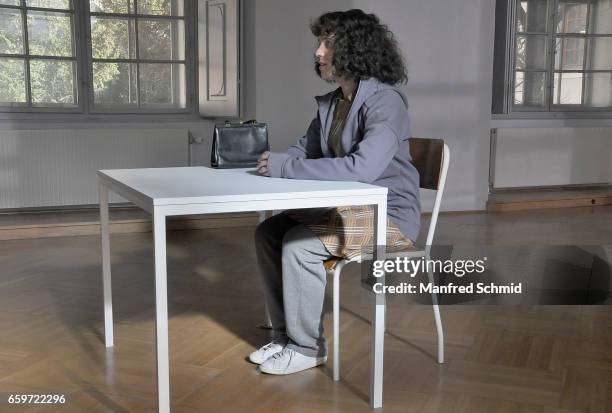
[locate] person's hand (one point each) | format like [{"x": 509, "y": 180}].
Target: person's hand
[{"x": 262, "y": 163}]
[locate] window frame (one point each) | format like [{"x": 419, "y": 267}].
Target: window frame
[
  {"x": 85, "y": 109},
  {"x": 28, "y": 106},
  {"x": 504, "y": 68},
  {"x": 130, "y": 109}
]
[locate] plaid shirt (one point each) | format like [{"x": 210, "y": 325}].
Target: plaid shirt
[{"x": 348, "y": 231}]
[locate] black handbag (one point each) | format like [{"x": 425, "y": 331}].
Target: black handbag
[{"x": 238, "y": 145}]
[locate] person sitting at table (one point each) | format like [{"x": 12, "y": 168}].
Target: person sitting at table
[{"x": 360, "y": 134}]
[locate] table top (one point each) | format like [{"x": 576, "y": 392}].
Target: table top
[{"x": 199, "y": 184}]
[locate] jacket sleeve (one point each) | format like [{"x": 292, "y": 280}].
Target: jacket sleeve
[
  {"x": 384, "y": 119},
  {"x": 309, "y": 145}
]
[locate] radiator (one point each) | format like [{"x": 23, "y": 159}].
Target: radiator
[
  {"x": 525, "y": 157},
  {"x": 50, "y": 168}
]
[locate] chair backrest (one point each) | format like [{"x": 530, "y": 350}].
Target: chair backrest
[
  {"x": 431, "y": 157},
  {"x": 427, "y": 159}
]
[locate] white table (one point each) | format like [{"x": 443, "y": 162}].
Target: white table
[{"x": 167, "y": 192}]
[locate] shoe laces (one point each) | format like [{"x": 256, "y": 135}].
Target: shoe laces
[
  {"x": 278, "y": 356},
  {"x": 282, "y": 352},
  {"x": 270, "y": 344}
]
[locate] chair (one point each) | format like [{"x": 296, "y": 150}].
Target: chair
[{"x": 430, "y": 157}]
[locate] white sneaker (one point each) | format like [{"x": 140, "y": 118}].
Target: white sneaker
[
  {"x": 267, "y": 351},
  {"x": 289, "y": 361}
]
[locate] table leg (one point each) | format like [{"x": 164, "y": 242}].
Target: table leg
[
  {"x": 161, "y": 314},
  {"x": 267, "y": 324},
  {"x": 378, "y": 316},
  {"x": 106, "y": 266}
]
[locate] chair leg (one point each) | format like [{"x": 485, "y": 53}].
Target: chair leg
[
  {"x": 440, "y": 333},
  {"x": 336, "y": 314},
  {"x": 436, "y": 310}
]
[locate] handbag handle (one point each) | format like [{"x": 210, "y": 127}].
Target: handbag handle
[{"x": 246, "y": 122}]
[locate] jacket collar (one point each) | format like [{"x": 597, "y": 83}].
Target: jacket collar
[{"x": 365, "y": 89}]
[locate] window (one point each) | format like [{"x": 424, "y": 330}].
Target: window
[
  {"x": 137, "y": 54},
  {"x": 553, "y": 56},
  {"x": 38, "y": 63},
  {"x": 98, "y": 57},
  {"x": 132, "y": 58}
]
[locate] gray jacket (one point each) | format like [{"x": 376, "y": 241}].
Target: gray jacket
[{"x": 375, "y": 141}]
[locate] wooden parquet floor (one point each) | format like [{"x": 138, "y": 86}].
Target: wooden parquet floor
[{"x": 500, "y": 359}]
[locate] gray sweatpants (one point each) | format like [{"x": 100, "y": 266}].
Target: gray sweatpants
[{"x": 290, "y": 262}]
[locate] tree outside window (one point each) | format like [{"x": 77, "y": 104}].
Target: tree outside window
[
  {"x": 38, "y": 63},
  {"x": 138, "y": 54},
  {"x": 135, "y": 57}
]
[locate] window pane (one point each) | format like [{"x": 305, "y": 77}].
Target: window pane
[
  {"x": 50, "y": 34},
  {"x": 49, "y": 4},
  {"x": 530, "y": 52},
  {"x": 10, "y": 2},
  {"x": 598, "y": 89},
  {"x": 569, "y": 53},
  {"x": 161, "y": 39},
  {"x": 114, "y": 84},
  {"x": 567, "y": 89},
  {"x": 601, "y": 19},
  {"x": 531, "y": 16},
  {"x": 12, "y": 81},
  {"x": 530, "y": 89},
  {"x": 161, "y": 7},
  {"x": 11, "y": 38},
  {"x": 53, "y": 82},
  {"x": 111, "y": 6},
  {"x": 599, "y": 53},
  {"x": 112, "y": 38},
  {"x": 162, "y": 85},
  {"x": 572, "y": 17}
]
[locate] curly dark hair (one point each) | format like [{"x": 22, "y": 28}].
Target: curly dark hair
[{"x": 363, "y": 46}]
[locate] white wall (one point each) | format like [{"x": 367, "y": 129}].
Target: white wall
[
  {"x": 280, "y": 78},
  {"x": 448, "y": 48},
  {"x": 552, "y": 156}
]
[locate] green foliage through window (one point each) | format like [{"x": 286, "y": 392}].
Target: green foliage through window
[
  {"x": 138, "y": 60},
  {"x": 135, "y": 48}
]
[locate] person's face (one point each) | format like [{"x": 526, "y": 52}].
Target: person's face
[{"x": 324, "y": 56}]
